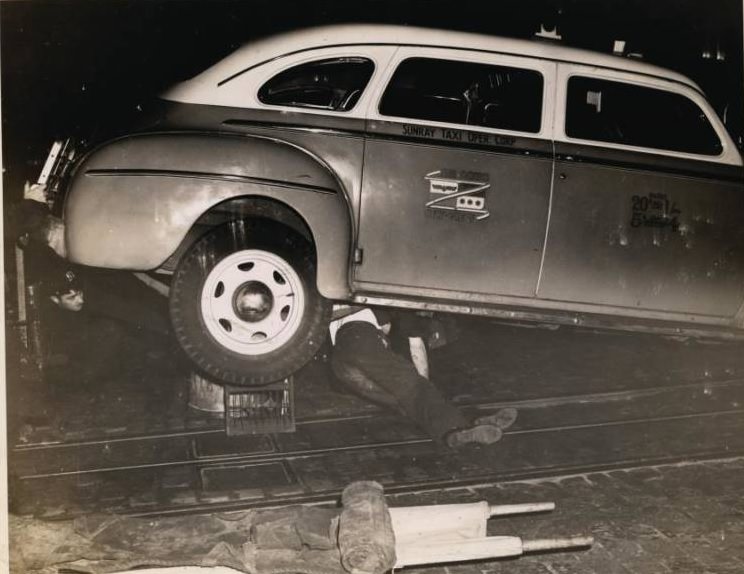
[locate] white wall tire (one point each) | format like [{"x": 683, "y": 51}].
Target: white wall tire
[{"x": 244, "y": 305}]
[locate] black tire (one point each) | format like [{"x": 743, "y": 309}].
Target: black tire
[{"x": 215, "y": 332}]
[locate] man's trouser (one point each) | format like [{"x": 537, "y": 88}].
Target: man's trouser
[{"x": 363, "y": 361}]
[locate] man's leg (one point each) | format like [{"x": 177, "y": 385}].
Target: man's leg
[
  {"x": 360, "y": 348},
  {"x": 361, "y": 385}
]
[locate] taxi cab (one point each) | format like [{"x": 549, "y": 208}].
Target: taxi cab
[{"x": 424, "y": 169}]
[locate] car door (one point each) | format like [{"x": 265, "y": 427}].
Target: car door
[
  {"x": 648, "y": 205},
  {"x": 457, "y": 171}
]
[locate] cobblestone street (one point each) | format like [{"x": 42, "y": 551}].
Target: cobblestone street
[{"x": 681, "y": 519}]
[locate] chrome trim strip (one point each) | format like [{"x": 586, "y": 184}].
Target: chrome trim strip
[
  {"x": 517, "y": 145},
  {"x": 597, "y": 321},
  {"x": 482, "y": 303},
  {"x": 547, "y": 227},
  {"x": 207, "y": 176}
]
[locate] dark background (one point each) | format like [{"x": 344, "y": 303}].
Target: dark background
[{"x": 66, "y": 66}]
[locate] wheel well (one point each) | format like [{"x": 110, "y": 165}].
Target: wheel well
[{"x": 239, "y": 208}]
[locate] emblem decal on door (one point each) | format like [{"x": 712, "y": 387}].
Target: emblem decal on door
[{"x": 459, "y": 195}]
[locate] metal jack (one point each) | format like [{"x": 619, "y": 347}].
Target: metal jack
[{"x": 457, "y": 532}]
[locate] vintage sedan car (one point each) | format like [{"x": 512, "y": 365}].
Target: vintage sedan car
[{"x": 424, "y": 169}]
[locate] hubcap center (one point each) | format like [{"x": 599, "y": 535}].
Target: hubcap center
[{"x": 253, "y": 301}]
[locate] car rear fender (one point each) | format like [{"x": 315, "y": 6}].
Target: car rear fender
[{"x": 132, "y": 201}]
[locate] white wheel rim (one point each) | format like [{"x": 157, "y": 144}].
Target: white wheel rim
[{"x": 252, "y": 302}]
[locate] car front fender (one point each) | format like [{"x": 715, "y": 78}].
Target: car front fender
[{"x": 132, "y": 201}]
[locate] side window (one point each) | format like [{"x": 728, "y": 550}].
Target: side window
[
  {"x": 617, "y": 112},
  {"x": 465, "y": 93},
  {"x": 331, "y": 84}
]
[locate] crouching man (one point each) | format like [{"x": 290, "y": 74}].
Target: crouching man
[{"x": 365, "y": 363}]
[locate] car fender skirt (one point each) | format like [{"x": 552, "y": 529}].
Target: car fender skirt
[{"x": 132, "y": 202}]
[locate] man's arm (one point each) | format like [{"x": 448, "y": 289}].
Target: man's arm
[{"x": 419, "y": 356}]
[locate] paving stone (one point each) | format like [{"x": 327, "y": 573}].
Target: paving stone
[
  {"x": 286, "y": 490},
  {"x": 177, "y": 478},
  {"x": 604, "y": 558},
  {"x": 223, "y": 497},
  {"x": 563, "y": 564},
  {"x": 143, "y": 501},
  {"x": 248, "y": 494},
  {"x": 185, "y": 497}
]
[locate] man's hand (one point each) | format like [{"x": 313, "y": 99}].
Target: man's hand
[{"x": 35, "y": 192}]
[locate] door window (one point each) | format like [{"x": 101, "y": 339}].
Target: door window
[
  {"x": 465, "y": 93},
  {"x": 331, "y": 84},
  {"x": 617, "y": 112}
]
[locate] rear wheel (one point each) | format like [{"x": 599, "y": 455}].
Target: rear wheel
[{"x": 244, "y": 305}]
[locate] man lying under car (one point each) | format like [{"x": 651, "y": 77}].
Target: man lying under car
[{"x": 366, "y": 362}]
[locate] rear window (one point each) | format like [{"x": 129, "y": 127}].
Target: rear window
[
  {"x": 617, "y": 112},
  {"x": 465, "y": 93},
  {"x": 331, "y": 84}
]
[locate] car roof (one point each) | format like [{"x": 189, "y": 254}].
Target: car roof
[{"x": 269, "y": 48}]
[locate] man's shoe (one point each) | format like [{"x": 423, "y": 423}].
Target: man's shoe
[
  {"x": 502, "y": 418},
  {"x": 478, "y": 434}
]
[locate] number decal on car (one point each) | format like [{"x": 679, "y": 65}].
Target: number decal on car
[{"x": 654, "y": 210}]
